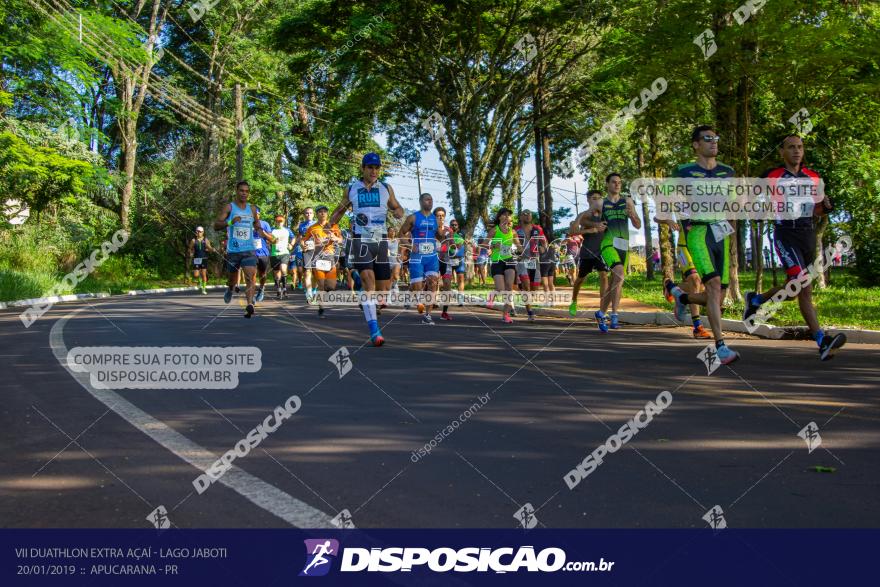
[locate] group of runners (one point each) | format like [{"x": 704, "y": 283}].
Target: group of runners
[{"x": 518, "y": 257}]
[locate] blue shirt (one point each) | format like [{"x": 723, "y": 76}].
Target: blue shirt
[{"x": 263, "y": 250}]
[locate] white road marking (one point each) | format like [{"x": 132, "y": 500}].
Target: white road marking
[{"x": 255, "y": 490}]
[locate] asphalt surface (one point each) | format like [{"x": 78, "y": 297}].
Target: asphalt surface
[{"x": 556, "y": 389}]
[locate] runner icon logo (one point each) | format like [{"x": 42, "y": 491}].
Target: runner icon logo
[
  {"x": 706, "y": 42},
  {"x": 801, "y": 121},
  {"x": 810, "y": 434},
  {"x": 320, "y": 553},
  {"x": 709, "y": 356},
  {"x": 341, "y": 359},
  {"x": 159, "y": 518},
  {"x": 715, "y": 518},
  {"x": 343, "y": 520},
  {"x": 526, "y": 516}
]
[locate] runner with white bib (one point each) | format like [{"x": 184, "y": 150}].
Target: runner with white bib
[
  {"x": 242, "y": 222},
  {"x": 325, "y": 237},
  {"x": 370, "y": 201},
  {"x": 199, "y": 247},
  {"x": 424, "y": 263},
  {"x": 504, "y": 244}
]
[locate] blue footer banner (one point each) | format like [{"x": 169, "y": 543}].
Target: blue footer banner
[{"x": 279, "y": 557}]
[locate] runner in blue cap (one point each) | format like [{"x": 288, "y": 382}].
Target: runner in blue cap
[{"x": 370, "y": 200}]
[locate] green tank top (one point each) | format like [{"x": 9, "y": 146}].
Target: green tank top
[
  {"x": 501, "y": 245},
  {"x": 614, "y": 214}
]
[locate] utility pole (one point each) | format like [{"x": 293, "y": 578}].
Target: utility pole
[
  {"x": 419, "y": 177},
  {"x": 576, "y": 212},
  {"x": 239, "y": 132}
]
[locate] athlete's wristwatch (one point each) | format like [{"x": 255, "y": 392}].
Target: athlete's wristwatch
[{"x": 229, "y": 223}]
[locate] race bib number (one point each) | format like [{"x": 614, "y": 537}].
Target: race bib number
[
  {"x": 426, "y": 248},
  {"x": 258, "y": 243},
  {"x": 506, "y": 250},
  {"x": 372, "y": 234},
  {"x": 309, "y": 245},
  {"x": 323, "y": 265},
  {"x": 531, "y": 263},
  {"x": 721, "y": 230},
  {"x": 454, "y": 262},
  {"x": 242, "y": 233},
  {"x": 197, "y": 262},
  {"x": 620, "y": 243}
]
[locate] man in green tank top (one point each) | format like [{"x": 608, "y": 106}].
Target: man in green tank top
[{"x": 617, "y": 212}]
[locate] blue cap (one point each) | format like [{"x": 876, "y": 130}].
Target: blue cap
[{"x": 371, "y": 159}]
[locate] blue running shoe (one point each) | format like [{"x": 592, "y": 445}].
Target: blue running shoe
[
  {"x": 227, "y": 296},
  {"x": 676, "y": 292},
  {"x": 726, "y": 355},
  {"x": 260, "y": 295},
  {"x": 600, "y": 320},
  {"x": 751, "y": 307},
  {"x": 614, "y": 322}
]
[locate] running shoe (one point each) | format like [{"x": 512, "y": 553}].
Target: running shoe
[
  {"x": 427, "y": 320},
  {"x": 726, "y": 355},
  {"x": 676, "y": 292},
  {"x": 507, "y": 319},
  {"x": 237, "y": 289},
  {"x": 615, "y": 324},
  {"x": 260, "y": 295},
  {"x": 377, "y": 339},
  {"x": 204, "y": 291},
  {"x": 531, "y": 316},
  {"x": 227, "y": 295},
  {"x": 249, "y": 311},
  {"x": 321, "y": 313},
  {"x": 446, "y": 316},
  {"x": 600, "y": 321},
  {"x": 669, "y": 297},
  {"x": 701, "y": 332},
  {"x": 573, "y": 309},
  {"x": 829, "y": 345},
  {"x": 421, "y": 308},
  {"x": 750, "y": 308}
]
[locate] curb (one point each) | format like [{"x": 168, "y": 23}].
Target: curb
[
  {"x": 139, "y": 292},
  {"x": 762, "y": 331},
  {"x": 52, "y": 300},
  {"x": 77, "y": 297}
]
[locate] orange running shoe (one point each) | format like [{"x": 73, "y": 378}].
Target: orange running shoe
[{"x": 701, "y": 332}]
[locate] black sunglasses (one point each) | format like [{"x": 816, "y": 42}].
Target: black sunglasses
[{"x": 711, "y": 138}]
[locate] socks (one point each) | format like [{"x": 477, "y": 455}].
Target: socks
[
  {"x": 697, "y": 322},
  {"x": 719, "y": 343},
  {"x": 683, "y": 298},
  {"x": 820, "y": 334},
  {"x": 284, "y": 282},
  {"x": 370, "y": 311},
  {"x": 445, "y": 308}
]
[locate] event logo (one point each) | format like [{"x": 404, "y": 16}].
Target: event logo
[{"x": 320, "y": 553}]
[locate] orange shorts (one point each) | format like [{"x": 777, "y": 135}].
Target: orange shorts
[{"x": 326, "y": 274}]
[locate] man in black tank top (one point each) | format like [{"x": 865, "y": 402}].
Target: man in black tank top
[
  {"x": 199, "y": 247},
  {"x": 590, "y": 225}
]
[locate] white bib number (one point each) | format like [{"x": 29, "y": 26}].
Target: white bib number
[
  {"x": 721, "y": 230},
  {"x": 454, "y": 262},
  {"x": 426, "y": 248},
  {"x": 506, "y": 250},
  {"x": 258, "y": 243},
  {"x": 197, "y": 262},
  {"x": 309, "y": 245},
  {"x": 620, "y": 243},
  {"x": 323, "y": 265},
  {"x": 372, "y": 234},
  {"x": 531, "y": 263},
  {"x": 242, "y": 233}
]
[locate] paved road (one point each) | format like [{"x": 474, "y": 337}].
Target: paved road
[{"x": 555, "y": 391}]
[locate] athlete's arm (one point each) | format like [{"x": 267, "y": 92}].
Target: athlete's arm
[
  {"x": 631, "y": 210},
  {"x": 220, "y": 221},
  {"x": 394, "y": 205},
  {"x": 208, "y": 246},
  {"x": 344, "y": 205}
]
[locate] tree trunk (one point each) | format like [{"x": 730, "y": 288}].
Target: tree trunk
[
  {"x": 539, "y": 167},
  {"x": 758, "y": 254},
  {"x": 548, "y": 193},
  {"x": 646, "y": 220},
  {"x": 821, "y": 226}
]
